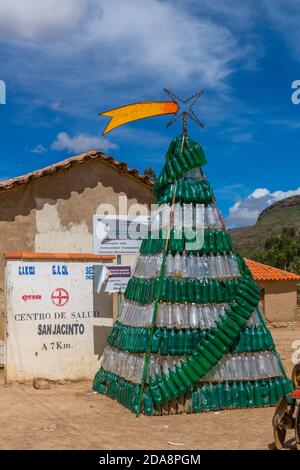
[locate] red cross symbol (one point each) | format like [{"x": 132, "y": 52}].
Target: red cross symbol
[{"x": 59, "y": 297}]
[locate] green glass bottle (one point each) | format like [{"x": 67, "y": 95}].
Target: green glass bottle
[
  {"x": 234, "y": 395},
  {"x": 287, "y": 385},
  {"x": 212, "y": 290},
  {"x": 177, "y": 167},
  {"x": 167, "y": 380},
  {"x": 205, "y": 291},
  {"x": 278, "y": 388},
  {"x": 241, "y": 342},
  {"x": 227, "y": 395},
  {"x": 179, "y": 192},
  {"x": 257, "y": 394},
  {"x": 231, "y": 325},
  {"x": 244, "y": 304},
  {"x": 212, "y": 349},
  {"x": 190, "y": 290},
  {"x": 183, "y": 161},
  {"x": 164, "y": 345},
  {"x": 225, "y": 327},
  {"x": 250, "y": 394},
  {"x": 218, "y": 343},
  {"x": 170, "y": 290},
  {"x": 177, "y": 297},
  {"x": 141, "y": 290},
  {"x": 206, "y": 366},
  {"x": 211, "y": 242},
  {"x": 228, "y": 341},
  {"x": 240, "y": 321},
  {"x": 156, "y": 340},
  {"x": 189, "y": 372},
  {"x": 248, "y": 346},
  {"x": 197, "y": 336},
  {"x": 260, "y": 339},
  {"x": 268, "y": 340},
  {"x": 183, "y": 377},
  {"x": 178, "y": 382},
  {"x": 195, "y": 365},
  {"x": 265, "y": 392},
  {"x": 207, "y": 354},
  {"x": 134, "y": 398},
  {"x": 197, "y": 291},
  {"x": 219, "y": 294},
  {"x": 172, "y": 350},
  {"x": 196, "y": 402},
  {"x": 170, "y": 170},
  {"x": 164, "y": 286},
  {"x": 254, "y": 341},
  {"x": 205, "y": 398},
  {"x": 183, "y": 293},
  {"x": 213, "y": 397},
  {"x": 273, "y": 396},
  {"x": 242, "y": 395},
  {"x": 200, "y": 194},
  {"x": 180, "y": 342},
  {"x": 241, "y": 311},
  {"x": 221, "y": 395},
  {"x": 166, "y": 394},
  {"x": 188, "y": 342}
]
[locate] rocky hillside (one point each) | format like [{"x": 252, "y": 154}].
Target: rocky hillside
[{"x": 250, "y": 240}]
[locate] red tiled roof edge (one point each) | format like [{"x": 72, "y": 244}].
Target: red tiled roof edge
[
  {"x": 77, "y": 159},
  {"x": 264, "y": 272},
  {"x": 66, "y": 256}
]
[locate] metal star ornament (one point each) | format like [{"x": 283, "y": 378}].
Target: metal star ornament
[{"x": 185, "y": 107}]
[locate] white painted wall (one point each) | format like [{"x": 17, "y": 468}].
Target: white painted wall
[{"x": 53, "y": 356}]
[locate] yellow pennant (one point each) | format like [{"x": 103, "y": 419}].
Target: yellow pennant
[{"x": 133, "y": 112}]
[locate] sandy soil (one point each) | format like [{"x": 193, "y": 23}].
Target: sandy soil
[{"x": 72, "y": 417}]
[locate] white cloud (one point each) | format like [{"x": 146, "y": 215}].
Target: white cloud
[
  {"x": 38, "y": 149},
  {"x": 246, "y": 211},
  {"x": 81, "y": 143},
  {"x": 287, "y": 123},
  {"x": 284, "y": 17},
  {"x": 243, "y": 137},
  {"x": 260, "y": 192},
  {"x": 36, "y": 20},
  {"x": 92, "y": 49}
]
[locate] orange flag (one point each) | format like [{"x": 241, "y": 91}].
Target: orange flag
[{"x": 133, "y": 112}]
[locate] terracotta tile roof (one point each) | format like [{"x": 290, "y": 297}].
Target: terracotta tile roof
[
  {"x": 78, "y": 159},
  {"x": 263, "y": 272},
  {"x": 65, "y": 256}
]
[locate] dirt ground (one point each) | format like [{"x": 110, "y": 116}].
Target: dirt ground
[{"x": 70, "y": 416}]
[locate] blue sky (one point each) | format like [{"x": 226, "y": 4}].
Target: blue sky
[{"x": 65, "y": 61}]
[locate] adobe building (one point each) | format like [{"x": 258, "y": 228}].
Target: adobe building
[
  {"x": 278, "y": 292},
  {"x": 51, "y": 210}
]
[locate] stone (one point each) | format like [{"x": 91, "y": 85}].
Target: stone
[
  {"x": 49, "y": 427},
  {"x": 41, "y": 384}
]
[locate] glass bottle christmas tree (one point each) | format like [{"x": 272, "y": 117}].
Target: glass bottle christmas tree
[{"x": 190, "y": 335}]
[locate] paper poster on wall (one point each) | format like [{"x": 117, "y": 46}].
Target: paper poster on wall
[{"x": 118, "y": 234}]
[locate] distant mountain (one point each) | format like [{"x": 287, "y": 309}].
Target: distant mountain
[{"x": 249, "y": 241}]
